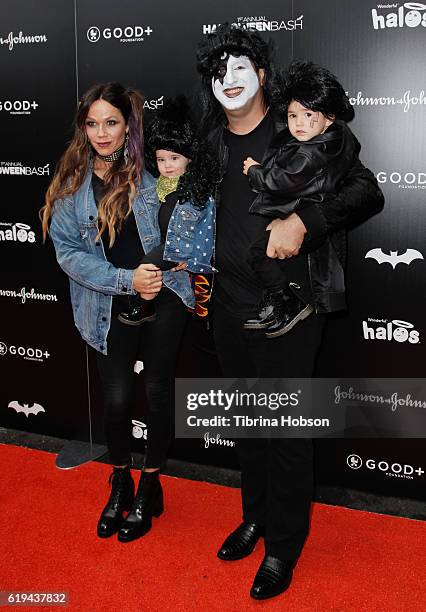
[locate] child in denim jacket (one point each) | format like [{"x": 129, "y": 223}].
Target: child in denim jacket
[{"x": 187, "y": 214}]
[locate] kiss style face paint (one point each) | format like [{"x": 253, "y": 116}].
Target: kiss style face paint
[
  {"x": 235, "y": 82},
  {"x": 305, "y": 123}
]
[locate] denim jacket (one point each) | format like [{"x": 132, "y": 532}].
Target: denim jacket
[
  {"x": 93, "y": 279},
  {"x": 191, "y": 235}
]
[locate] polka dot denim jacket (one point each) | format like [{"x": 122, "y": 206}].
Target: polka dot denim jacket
[{"x": 190, "y": 236}]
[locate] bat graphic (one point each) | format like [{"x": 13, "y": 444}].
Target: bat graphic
[
  {"x": 394, "y": 259},
  {"x": 26, "y": 408}
]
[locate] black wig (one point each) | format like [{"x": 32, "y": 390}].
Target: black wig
[
  {"x": 235, "y": 41},
  {"x": 317, "y": 89},
  {"x": 172, "y": 129}
]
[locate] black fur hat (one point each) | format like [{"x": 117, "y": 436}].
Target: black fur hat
[
  {"x": 231, "y": 40},
  {"x": 171, "y": 129},
  {"x": 318, "y": 89}
]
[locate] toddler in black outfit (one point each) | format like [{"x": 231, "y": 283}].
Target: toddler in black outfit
[{"x": 309, "y": 160}]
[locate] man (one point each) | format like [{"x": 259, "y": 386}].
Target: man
[{"x": 241, "y": 102}]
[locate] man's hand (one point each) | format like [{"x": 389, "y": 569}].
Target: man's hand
[
  {"x": 286, "y": 237},
  {"x": 247, "y": 163},
  {"x": 147, "y": 280}
]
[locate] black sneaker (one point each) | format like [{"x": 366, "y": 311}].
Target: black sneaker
[{"x": 141, "y": 312}]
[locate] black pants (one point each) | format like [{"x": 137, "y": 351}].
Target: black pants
[
  {"x": 276, "y": 474},
  {"x": 157, "y": 343},
  {"x": 277, "y": 273}
]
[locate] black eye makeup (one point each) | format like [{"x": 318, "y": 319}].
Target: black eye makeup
[{"x": 220, "y": 72}]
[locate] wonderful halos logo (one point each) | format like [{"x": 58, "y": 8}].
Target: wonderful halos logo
[
  {"x": 396, "y": 15},
  {"x": 22, "y": 39},
  {"x": 14, "y": 168},
  {"x": 390, "y": 331},
  {"x": 261, "y": 23},
  {"x": 122, "y": 34},
  {"x": 16, "y": 232},
  {"x": 139, "y": 430}
]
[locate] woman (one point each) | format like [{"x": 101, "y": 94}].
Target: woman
[{"x": 103, "y": 213}]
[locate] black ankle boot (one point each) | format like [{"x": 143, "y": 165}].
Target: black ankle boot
[
  {"x": 148, "y": 503},
  {"x": 140, "y": 311},
  {"x": 266, "y": 317},
  {"x": 120, "y": 499},
  {"x": 279, "y": 311},
  {"x": 288, "y": 310}
]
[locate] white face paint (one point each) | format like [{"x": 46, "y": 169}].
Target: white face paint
[{"x": 235, "y": 83}]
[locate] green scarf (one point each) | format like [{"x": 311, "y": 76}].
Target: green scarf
[{"x": 166, "y": 185}]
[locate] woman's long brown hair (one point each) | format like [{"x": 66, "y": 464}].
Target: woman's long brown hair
[{"x": 122, "y": 177}]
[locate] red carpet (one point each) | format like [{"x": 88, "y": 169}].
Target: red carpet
[{"x": 353, "y": 561}]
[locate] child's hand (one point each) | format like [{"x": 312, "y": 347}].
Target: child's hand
[
  {"x": 248, "y": 163},
  {"x": 180, "y": 266}
]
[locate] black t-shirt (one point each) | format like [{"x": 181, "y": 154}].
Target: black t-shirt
[
  {"x": 236, "y": 285},
  {"x": 166, "y": 211},
  {"x": 127, "y": 250}
]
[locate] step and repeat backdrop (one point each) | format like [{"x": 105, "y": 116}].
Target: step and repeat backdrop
[{"x": 51, "y": 51}]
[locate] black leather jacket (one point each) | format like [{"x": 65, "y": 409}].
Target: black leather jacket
[
  {"x": 358, "y": 199},
  {"x": 294, "y": 171}
]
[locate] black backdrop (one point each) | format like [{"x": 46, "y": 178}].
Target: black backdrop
[{"x": 52, "y": 50}]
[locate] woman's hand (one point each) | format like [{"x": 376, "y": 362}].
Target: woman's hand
[
  {"x": 286, "y": 236},
  {"x": 147, "y": 280}
]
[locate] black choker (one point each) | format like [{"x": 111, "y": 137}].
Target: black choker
[{"x": 113, "y": 156}]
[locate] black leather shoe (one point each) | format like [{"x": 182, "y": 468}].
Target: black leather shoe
[
  {"x": 273, "y": 577},
  {"x": 121, "y": 499},
  {"x": 148, "y": 503},
  {"x": 140, "y": 311},
  {"x": 241, "y": 542}
]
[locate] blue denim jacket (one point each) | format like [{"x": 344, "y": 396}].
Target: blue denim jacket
[
  {"x": 191, "y": 235},
  {"x": 94, "y": 280}
]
